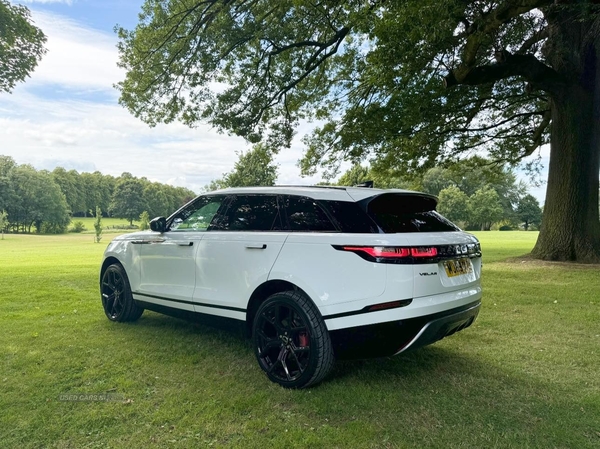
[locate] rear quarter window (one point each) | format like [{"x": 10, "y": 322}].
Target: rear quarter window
[
  {"x": 350, "y": 218},
  {"x": 306, "y": 215}
]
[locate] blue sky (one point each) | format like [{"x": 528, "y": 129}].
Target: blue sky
[{"x": 67, "y": 113}]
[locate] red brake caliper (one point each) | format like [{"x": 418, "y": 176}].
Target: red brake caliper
[{"x": 303, "y": 339}]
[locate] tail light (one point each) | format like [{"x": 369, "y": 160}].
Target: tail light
[{"x": 391, "y": 253}]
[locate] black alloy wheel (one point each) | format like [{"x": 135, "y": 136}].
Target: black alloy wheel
[
  {"x": 117, "y": 300},
  {"x": 291, "y": 341}
]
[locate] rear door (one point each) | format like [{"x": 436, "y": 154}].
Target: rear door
[{"x": 237, "y": 253}]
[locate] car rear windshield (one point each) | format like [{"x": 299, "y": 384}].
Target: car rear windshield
[{"x": 407, "y": 213}]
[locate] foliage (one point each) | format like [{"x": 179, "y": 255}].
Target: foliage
[
  {"x": 473, "y": 174},
  {"x": 485, "y": 208},
  {"x": 21, "y": 45},
  {"x": 128, "y": 198},
  {"x": 366, "y": 68},
  {"x": 454, "y": 184},
  {"x": 408, "y": 85},
  {"x": 77, "y": 227},
  {"x": 3, "y": 222},
  {"x": 144, "y": 221},
  {"x": 36, "y": 201},
  {"x": 32, "y": 197},
  {"x": 72, "y": 187},
  {"x": 453, "y": 204},
  {"x": 357, "y": 174},
  {"x": 253, "y": 168},
  {"x": 529, "y": 211},
  {"x": 384, "y": 179},
  {"x": 98, "y": 225}
]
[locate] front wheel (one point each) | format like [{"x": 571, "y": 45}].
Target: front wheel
[
  {"x": 117, "y": 299},
  {"x": 291, "y": 342}
]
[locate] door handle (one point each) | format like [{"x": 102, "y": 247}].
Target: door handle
[
  {"x": 263, "y": 246},
  {"x": 185, "y": 244}
]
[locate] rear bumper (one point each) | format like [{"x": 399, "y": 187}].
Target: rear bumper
[{"x": 391, "y": 338}]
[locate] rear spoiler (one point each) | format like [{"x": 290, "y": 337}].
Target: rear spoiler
[{"x": 410, "y": 201}]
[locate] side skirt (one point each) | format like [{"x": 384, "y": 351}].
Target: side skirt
[{"x": 219, "y": 322}]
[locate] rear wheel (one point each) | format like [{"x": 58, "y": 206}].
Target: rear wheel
[
  {"x": 291, "y": 342},
  {"x": 116, "y": 295}
]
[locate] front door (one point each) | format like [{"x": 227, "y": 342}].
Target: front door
[{"x": 168, "y": 260}]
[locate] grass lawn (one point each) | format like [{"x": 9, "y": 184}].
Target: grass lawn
[{"x": 526, "y": 374}]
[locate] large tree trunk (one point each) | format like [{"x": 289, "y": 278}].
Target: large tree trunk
[{"x": 570, "y": 228}]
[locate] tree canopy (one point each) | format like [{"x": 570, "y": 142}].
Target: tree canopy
[
  {"x": 408, "y": 85},
  {"x": 21, "y": 45},
  {"x": 253, "y": 168}
]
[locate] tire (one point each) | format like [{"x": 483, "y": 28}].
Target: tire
[
  {"x": 291, "y": 342},
  {"x": 117, "y": 300}
]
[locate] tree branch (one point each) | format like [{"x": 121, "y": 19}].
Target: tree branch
[
  {"x": 538, "y": 134},
  {"x": 534, "y": 39},
  {"x": 538, "y": 74}
]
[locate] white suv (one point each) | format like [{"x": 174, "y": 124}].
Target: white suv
[{"x": 314, "y": 273}]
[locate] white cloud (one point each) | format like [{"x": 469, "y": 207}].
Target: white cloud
[
  {"x": 78, "y": 57},
  {"x": 53, "y": 120}
]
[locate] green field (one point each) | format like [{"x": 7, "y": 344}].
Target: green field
[{"x": 524, "y": 375}]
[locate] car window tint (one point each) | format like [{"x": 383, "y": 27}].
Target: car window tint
[
  {"x": 304, "y": 214},
  {"x": 198, "y": 216},
  {"x": 251, "y": 213},
  {"x": 407, "y": 213},
  {"x": 350, "y": 217}
]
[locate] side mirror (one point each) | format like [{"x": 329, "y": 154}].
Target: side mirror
[{"x": 158, "y": 224}]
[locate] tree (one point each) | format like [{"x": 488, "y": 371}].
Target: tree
[
  {"x": 3, "y": 222},
  {"x": 382, "y": 179},
  {"x": 70, "y": 185},
  {"x": 474, "y": 173},
  {"x": 98, "y": 225},
  {"x": 144, "y": 221},
  {"x": 485, "y": 208},
  {"x": 529, "y": 211},
  {"x": 356, "y": 174},
  {"x": 453, "y": 204},
  {"x": 21, "y": 45},
  {"x": 410, "y": 84},
  {"x": 38, "y": 201},
  {"x": 7, "y": 192},
  {"x": 128, "y": 198},
  {"x": 253, "y": 168}
]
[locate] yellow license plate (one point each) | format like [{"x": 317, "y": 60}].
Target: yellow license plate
[{"x": 458, "y": 267}]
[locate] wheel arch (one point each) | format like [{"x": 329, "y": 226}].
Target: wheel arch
[
  {"x": 107, "y": 263},
  {"x": 262, "y": 292}
]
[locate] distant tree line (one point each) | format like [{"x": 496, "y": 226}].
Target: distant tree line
[
  {"x": 45, "y": 201},
  {"x": 474, "y": 192}
]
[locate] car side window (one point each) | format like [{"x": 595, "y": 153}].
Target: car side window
[
  {"x": 305, "y": 214},
  {"x": 199, "y": 216},
  {"x": 251, "y": 213}
]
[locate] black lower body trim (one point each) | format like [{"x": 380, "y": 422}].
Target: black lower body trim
[
  {"x": 387, "y": 339},
  {"x": 201, "y": 304},
  {"x": 220, "y": 322}
]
